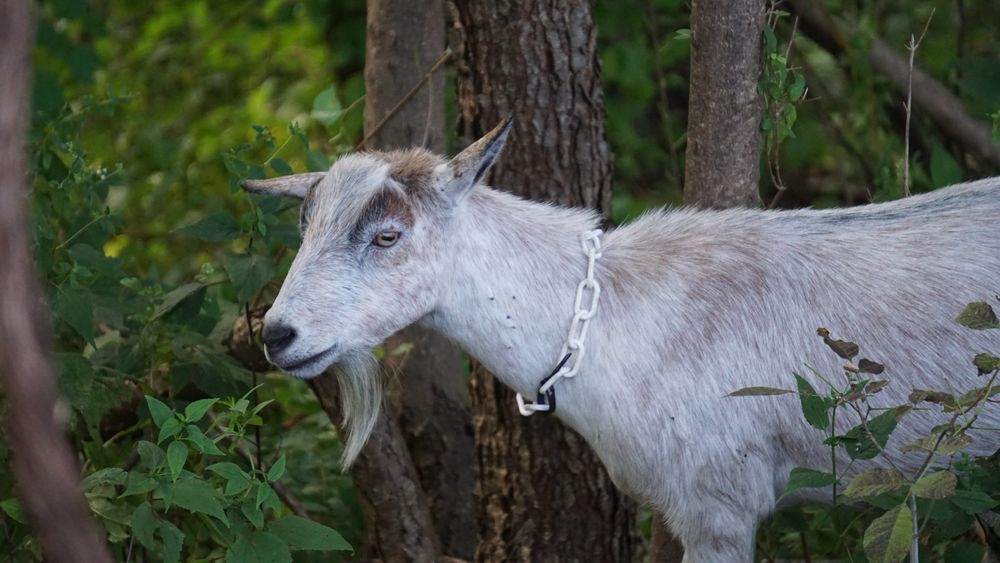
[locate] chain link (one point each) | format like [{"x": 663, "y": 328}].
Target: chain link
[{"x": 587, "y": 291}]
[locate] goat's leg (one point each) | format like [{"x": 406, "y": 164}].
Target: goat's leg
[{"x": 728, "y": 546}]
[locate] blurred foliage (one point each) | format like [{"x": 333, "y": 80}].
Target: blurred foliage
[{"x": 146, "y": 115}]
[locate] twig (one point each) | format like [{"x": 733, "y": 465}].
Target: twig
[
  {"x": 445, "y": 57},
  {"x": 912, "y": 48},
  {"x": 773, "y": 156}
]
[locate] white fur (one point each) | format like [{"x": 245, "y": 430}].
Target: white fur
[{"x": 695, "y": 305}]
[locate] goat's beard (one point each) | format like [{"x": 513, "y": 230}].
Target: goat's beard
[{"x": 360, "y": 399}]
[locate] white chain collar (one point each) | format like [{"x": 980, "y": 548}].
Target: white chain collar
[{"x": 574, "y": 348}]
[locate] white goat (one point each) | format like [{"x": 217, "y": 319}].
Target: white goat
[{"x": 695, "y": 304}]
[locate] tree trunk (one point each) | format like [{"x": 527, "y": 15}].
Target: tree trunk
[
  {"x": 723, "y": 144},
  {"x": 44, "y": 464},
  {"x": 724, "y": 111},
  {"x": 544, "y": 495},
  {"x": 415, "y": 478}
]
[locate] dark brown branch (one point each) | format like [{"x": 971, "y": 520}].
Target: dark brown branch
[
  {"x": 933, "y": 99},
  {"x": 45, "y": 466}
]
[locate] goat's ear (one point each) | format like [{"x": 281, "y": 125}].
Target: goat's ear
[
  {"x": 470, "y": 166},
  {"x": 296, "y": 185}
]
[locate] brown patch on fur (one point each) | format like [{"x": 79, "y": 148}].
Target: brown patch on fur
[{"x": 413, "y": 168}]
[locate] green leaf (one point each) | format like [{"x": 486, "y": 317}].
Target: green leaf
[
  {"x": 201, "y": 442},
  {"x": 196, "y": 410},
  {"x": 301, "y": 533},
  {"x": 237, "y": 480},
  {"x": 150, "y": 454},
  {"x": 249, "y": 273},
  {"x": 874, "y": 482},
  {"x": 144, "y": 525},
  {"x": 964, "y": 552},
  {"x": 814, "y": 407},
  {"x": 76, "y": 308},
  {"x": 798, "y": 87},
  {"x": 317, "y": 161},
  {"x": 177, "y": 453},
  {"x": 281, "y": 167},
  {"x": 173, "y": 539},
  {"x": 887, "y": 539},
  {"x": 169, "y": 429},
  {"x": 758, "y": 391},
  {"x": 215, "y": 227},
  {"x": 258, "y": 547},
  {"x": 938, "y": 485},
  {"x": 978, "y": 316},
  {"x": 867, "y": 443},
  {"x": 12, "y": 507},
  {"x": 804, "y": 478},
  {"x": 252, "y": 512},
  {"x": 138, "y": 483},
  {"x": 196, "y": 495},
  {"x": 944, "y": 170},
  {"x": 326, "y": 107},
  {"x": 106, "y": 476},
  {"x": 187, "y": 298},
  {"x": 973, "y": 502},
  {"x": 159, "y": 411},
  {"x": 948, "y": 446},
  {"x": 986, "y": 363},
  {"x": 277, "y": 470}
]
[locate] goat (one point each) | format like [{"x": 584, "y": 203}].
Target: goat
[{"x": 694, "y": 305}]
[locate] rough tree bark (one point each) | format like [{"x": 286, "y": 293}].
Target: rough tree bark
[
  {"x": 723, "y": 144},
  {"x": 929, "y": 95},
  {"x": 724, "y": 111},
  {"x": 44, "y": 464},
  {"x": 416, "y": 477},
  {"x": 544, "y": 495}
]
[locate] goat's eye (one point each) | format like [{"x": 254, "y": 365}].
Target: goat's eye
[{"x": 386, "y": 239}]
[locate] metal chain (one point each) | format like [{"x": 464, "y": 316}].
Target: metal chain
[{"x": 574, "y": 348}]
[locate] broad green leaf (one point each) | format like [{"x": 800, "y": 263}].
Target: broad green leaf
[
  {"x": 215, "y": 227},
  {"x": 938, "y": 485},
  {"x": 317, "y": 161},
  {"x": 758, "y": 391},
  {"x": 804, "y": 478},
  {"x": 138, "y": 483},
  {"x": 76, "y": 308},
  {"x": 986, "y": 363},
  {"x": 978, "y": 316},
  {"x": 169, "y": 429},
  {"x": 173, "y": 540},
  {"x": 12, "y": 507},
  {"x": 159, "y": 411},
  {"x": 193, "y": 293},
  {"x": 144, "y": 524},
  {"x": 326, "y": 107},
  {"x": 249, "y": 273},
  {"x": 106, "y": 476},
  {"x": 887, "y": 539},
  {"x": 196, "y": 495},
  {"x": 258, "y": 547},
  {"x": 964, "y": 552},
  {"x": 866, "y": 443},
  {"x": 875, "y": 481},
  {"x": 814, "y": 407},
  {"x": 973, "y": 502},
  {"x": 944, "y": 170},
  {"x": 237, "y": 480},
  {"x": 201, "y": 442},
  {"x": 196, "y": 410},
  {"x": 277, "y": 470},
  {"x": 281, "y": 167},
  {"x": 177, "y": 453},
  {"x": 150, "y": 454},
  {"x": 252, "y": 512},
  {"x": 948, "y": 446},
  {"x": 266, "y": 496},
  {"x": 301, "y": 533}
]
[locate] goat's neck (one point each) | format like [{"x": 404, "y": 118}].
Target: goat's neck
[{"x": 509, "y": 297}]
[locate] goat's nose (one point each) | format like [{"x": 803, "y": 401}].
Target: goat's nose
[{"x": 277, "y": 337}]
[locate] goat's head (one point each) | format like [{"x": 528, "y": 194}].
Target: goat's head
[{"x": 374, "y": 240}]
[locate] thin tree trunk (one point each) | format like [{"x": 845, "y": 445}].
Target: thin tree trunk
[
  {"x": 544, "y": 495},
  {"x": 44, "y": 464},
  {"x": 415, "y": 477},
  {"x": 724, "y": 111},
  {"x": 723, "y": 145}
]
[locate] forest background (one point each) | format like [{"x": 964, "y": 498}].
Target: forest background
[{"x": 144, "y": 118}]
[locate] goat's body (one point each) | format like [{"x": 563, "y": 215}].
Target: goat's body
[{"x": 697, "y": 304}]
